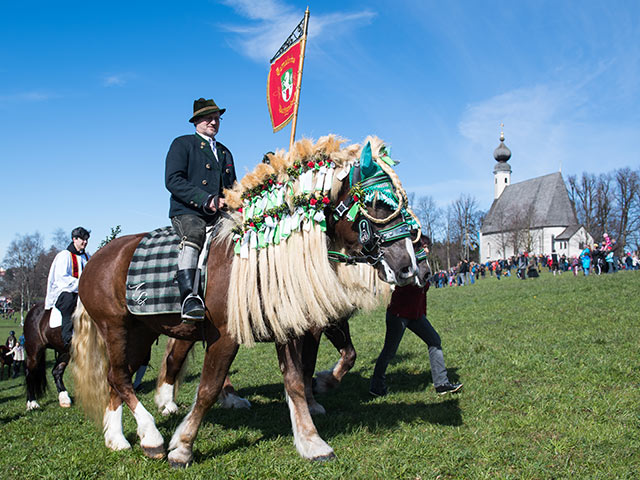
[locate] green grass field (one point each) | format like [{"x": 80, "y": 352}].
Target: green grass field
[{"x": 550, "y": 368}]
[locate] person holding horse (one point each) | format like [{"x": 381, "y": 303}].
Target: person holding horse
[
  {"x": 408, "y": 309},
  {"x": 62, "y": 283},
  {"x": 18, "y": 358},
  {"x": 197, "y": 170}
]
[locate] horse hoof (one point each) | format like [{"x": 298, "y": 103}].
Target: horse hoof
[
  {"x": 180, "y": 458},
  {"x": 169, "y": 409},
  {"x": 32, "y": 405},
  {"x": 325, "y": 458},
  {"x": 316, "y": 409},
  {"x": 157, "y": 453},
  {"x": 179, "y": 465},
  {"x": 64, "y": 400}
]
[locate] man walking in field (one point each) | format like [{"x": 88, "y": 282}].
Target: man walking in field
[{"x": 408, "y": 309}]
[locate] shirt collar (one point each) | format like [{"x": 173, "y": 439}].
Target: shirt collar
[{"x": 208, "y": 139}]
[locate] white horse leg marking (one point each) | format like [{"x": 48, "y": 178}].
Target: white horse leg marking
[
  {"x": 64, "y": 400},
  {"x": 164, "y": 399},
  {"x": 32, "y": 405},
  {"x": 113, "y": 436},
  {"x": 149, "y": 435},
  {"x": 231, "y": 400},
  {"x": 308, "y": 446},
  {"x": 179, "y": 451}
]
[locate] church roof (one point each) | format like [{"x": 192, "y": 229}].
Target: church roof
[
  {"x": 568, "y": 232},
  {"x": 538, "y": 202}
]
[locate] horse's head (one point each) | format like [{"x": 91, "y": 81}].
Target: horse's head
[{"x": 370, "y": 219}]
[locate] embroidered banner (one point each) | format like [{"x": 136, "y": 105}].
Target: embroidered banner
[{"x": 282, "y": 86}]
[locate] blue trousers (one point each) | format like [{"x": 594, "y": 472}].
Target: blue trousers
[{"x": 422, "y": 328}]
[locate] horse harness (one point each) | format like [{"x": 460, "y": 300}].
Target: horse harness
[{"x": 370, "y": 240}]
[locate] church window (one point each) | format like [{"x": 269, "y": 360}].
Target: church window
[{"x": 505, "y": 180}]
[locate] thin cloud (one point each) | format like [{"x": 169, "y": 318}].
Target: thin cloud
[
  {"x": 547, "y": 128},
  {"x": 23, "y": 97},
  {"x": 275, "y": 21},
  {"x": 117, "y": 80}
]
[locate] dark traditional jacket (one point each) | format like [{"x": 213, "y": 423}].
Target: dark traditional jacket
[{"x": 193, "y": 175}]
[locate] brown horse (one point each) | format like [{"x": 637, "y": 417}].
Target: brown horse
[
  {"x": 39, "y": 336},
  {"x": 110, "y": 343},
  {"x": 366, "y": 293},
  {"x": 337, "y": 332}
]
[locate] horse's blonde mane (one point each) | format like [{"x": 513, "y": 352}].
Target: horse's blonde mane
[{"x": 283, "y": 290}]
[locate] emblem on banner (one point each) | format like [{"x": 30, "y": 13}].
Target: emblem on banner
[{"x": 286, "y": 82}]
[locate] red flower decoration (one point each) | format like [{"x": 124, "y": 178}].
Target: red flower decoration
[
  {"x": 326, "y": 200},
  {"x": 240, "y": 209},
  {"x": 320, "y": 163},
  {"x": 296, "y": 165},
  {"x": 313, "y": 201},
  {"x": 310, "y": 164},
  {"x": 356, "y": 198},
  {"x": 251, "y": 224},
  {"x": 270, "y": 182}
]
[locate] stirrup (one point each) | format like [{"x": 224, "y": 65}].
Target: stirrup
[{"x": 195, "y": 314}]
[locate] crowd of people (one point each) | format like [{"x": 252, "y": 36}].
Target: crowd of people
[{"x": 593, "y": 259}]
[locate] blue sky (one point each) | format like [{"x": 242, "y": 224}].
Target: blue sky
[{"x": 92, "y": 94}]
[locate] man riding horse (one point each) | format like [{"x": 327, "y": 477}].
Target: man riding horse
[
  {"x": 197, "y": 169},
  {"x": 62, "y": 283}
]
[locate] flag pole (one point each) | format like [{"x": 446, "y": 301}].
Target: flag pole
[{"x": 299, "y": 83}]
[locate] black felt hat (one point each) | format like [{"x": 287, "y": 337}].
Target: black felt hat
[{"x": 203, "y": 107}]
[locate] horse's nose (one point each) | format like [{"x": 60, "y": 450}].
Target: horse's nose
[{"x": 407, "y": 272}]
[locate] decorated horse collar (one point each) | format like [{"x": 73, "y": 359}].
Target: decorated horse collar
[{"x": 273, "y": 210}]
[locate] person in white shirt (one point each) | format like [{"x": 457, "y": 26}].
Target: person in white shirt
[{"x": 62, "y": 284}]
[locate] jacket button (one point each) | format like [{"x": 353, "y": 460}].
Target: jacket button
[
  {"x": 227, "y": 171},
  {"x": 208, "y": 166},
  {"x": 204, "y": 182}
]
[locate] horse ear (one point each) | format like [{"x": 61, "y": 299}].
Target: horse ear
[{"x": 367, "y": 165}]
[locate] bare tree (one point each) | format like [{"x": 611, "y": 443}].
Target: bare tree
[
  {"x": 603, "y": 206},
  {"x": 582, "y": 193},
  {"x": 430, "y": 216},
  {"x": 60, "y": 239},
  {"x": 465, "y": 217},
  {"x": 627, "y": 198},
  {"x": 22, "y": 258}
]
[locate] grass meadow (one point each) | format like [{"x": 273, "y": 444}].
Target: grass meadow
[{"x": 550, "y": 368}]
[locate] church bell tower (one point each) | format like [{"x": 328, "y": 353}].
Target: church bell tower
[{"x": 502, "y": 170}]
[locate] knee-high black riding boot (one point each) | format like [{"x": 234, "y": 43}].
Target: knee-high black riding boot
[{"x": 192, "y": 304}]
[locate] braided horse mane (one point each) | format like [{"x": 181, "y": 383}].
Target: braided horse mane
[{"x": 285, "y": 289}]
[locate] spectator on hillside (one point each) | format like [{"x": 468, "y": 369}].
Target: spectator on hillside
[
  {"x": 11, "y": 339},
  {"x": 18, "y": 358},
  {"x": 585, "y": 258}
]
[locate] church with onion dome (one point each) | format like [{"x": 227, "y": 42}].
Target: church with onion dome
[{"x": 534, "y": 216}]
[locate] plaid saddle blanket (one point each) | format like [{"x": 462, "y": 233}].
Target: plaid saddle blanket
[{"x": 151, "y": 279}]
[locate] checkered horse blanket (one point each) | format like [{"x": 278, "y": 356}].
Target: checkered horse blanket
[{"x": 151, "y": 279}]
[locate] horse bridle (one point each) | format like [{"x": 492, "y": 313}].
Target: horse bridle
[{"x": 370, "y": 240}]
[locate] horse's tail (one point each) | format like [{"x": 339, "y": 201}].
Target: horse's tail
[
  {"x": 36, "y": 377},
  {"x": 162, "y": 374},
  {"x": 90, "y": 365}
]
